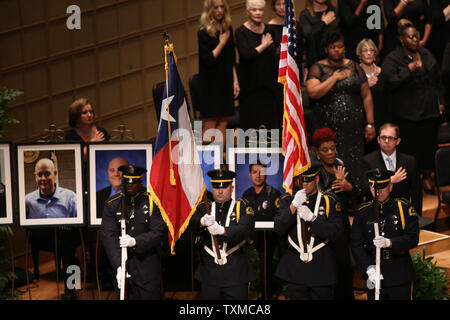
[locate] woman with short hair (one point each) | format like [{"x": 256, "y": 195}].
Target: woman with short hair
[
  {"x": 258, "y": 103},
  {"x": 414, "y": 80}
]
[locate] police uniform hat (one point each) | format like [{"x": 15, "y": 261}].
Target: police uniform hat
[
  {"x": 132, "y": 174},
  {"x": 310, "y": 174},
  {"x": 221, "y": 178},
  {"x": 379, "y": 178}
]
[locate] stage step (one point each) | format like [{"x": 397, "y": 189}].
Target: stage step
[
  {"x": 442, "y": 260},
  {"x": 433, "y": 243}
]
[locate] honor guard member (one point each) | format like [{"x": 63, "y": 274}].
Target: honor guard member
[
  {"x": 311, "y": 220},
  {"x": 263, "y": 199},
  {"x": 145, "y": 230},
  {"x": 399, "y": 232},
  {"x": 224, "y": 269}
]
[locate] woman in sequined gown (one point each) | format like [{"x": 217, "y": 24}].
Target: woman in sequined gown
[{"x": 342, "y": 101}]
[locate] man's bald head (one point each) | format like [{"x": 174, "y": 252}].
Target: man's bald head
[
  {"x": 114, "y": 175},
  {"x": 45, "y": 175}
]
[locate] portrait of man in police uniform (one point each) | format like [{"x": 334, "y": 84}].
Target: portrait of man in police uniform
[{"x": 263, "y": 198}]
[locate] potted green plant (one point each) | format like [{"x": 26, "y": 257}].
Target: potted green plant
[
  {"x": 6, "y": 97},
  {"x": 430, "y": 282},
  {"x": 6, "y": 275}
]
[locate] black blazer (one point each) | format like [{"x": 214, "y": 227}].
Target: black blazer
[
  {"x": 410, "y": 188},
  {"x": 102, "y": 196}
]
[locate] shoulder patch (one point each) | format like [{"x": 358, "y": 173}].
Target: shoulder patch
[
  {"x": 249, "y": 210},
  {"x": 338, "y": 206},
  {"x": 412, "y": 212},
  {"x": 277, "y": 202},
  {"x": 365, "y": 204}
]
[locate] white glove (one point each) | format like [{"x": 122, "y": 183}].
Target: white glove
[
  {"x": 207, "y": 220},
  {"x": 216, "y": 229},
  {"x": 119, "y": 276},
  {"x": 382, "y": 242},
  {"x": 127, "y": 241},
  {"x": 305, "y": 213},
  {"x": 372, "y": 274},
  {"x": 300, "y": 198}
]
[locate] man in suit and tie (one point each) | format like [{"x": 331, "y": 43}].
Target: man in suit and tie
[
  {"x": 115, "y": 180},
  {"x": 406, "y": 180}
]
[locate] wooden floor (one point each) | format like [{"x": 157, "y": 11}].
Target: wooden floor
[{"x": 46, "y": 288}]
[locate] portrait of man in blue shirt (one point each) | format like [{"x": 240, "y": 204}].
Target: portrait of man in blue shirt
[{"x": 49, "y": 200}]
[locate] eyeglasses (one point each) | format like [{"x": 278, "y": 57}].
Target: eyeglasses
[
  {"x": 368, "y": 50},
  {"x": 388, "y": 138}
]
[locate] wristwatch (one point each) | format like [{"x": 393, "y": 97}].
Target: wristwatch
[{"x": 370, "y": 125}]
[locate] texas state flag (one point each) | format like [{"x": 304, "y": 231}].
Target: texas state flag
[{"x": 176, "y": 179}]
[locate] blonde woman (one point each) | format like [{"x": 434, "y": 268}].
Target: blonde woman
[
  {"x": 367, "y": 52},
  {"x": 219, "y": 84},
  {"x": 258, "y": 102}
]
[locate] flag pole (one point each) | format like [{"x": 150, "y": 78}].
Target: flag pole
[{"x": 168, "y": 47}]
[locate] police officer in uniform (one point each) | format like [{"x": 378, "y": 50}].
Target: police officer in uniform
[
  {"x": 312, "y": 220},
  {"x": 263, "y": 199},
  {"x": 145, "y": 230},
  {"x": 399, "y": 232},
  {"x": 225, "y": 270}
]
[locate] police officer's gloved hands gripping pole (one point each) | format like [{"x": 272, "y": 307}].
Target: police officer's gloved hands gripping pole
[{"x": 125, "y": 242}]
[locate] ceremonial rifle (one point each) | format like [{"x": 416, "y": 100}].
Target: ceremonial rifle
[
  {"x": 377, "y": 250},
  {"x": 214, "y": 238},
  {"x": 302, "y": 222},
  {"x": 123, "y": 232},
  {"x": 377, "y": 233}
]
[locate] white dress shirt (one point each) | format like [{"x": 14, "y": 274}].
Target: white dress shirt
[{"x": 393, "y": 157}]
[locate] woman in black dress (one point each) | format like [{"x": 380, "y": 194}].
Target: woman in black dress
[
  {"x": 275, "y": 27},
  {"x": 342, "y": 101},
  {"x": 218, "y": 79},
  {"x": 81, "y": 120},
  {"x": 440, "y": 37},
  {"x": 414, "y": 81},
  {"x": 258, "y": 102},
  {"x": 318, "y": 17},
  {"x": 416, "y": 11},
  {"x": 84, "y": 129},
  {"x": 367, "y": 53},
  {"x": 354, "y": 24},
  {"x": 335, "y": 178}
]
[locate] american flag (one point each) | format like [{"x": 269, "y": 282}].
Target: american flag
[{"x": 295, "y": 146}]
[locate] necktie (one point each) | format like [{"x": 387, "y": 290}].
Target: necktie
[{"x": 390, "y": 164}]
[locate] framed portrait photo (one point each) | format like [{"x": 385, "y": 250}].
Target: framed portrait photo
[
  {"x": 105, "y": 180},
  {"x": 240, "y": 160},
  {"x": 210, "y": 158},
  {"x": 50, "y": 184},
  {"x": 6, "y": 202}
]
